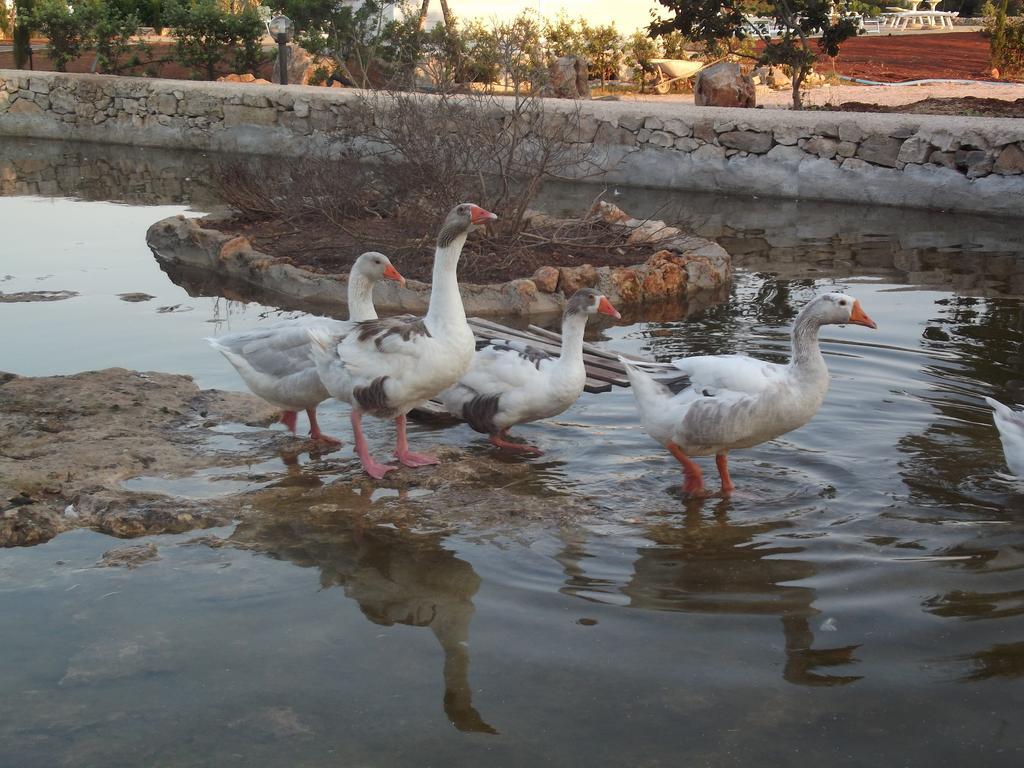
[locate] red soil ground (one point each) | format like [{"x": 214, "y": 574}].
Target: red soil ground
[{"x": 892, "y": 58}]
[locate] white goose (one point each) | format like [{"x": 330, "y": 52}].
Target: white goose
[
  {"x": 511, "y": 383},
  {"x": 387, "y": 367},
  {"x": 275, "y": 363},
  {"x": 699, "y": 406},
  {"x": 1010, "y": 423}
]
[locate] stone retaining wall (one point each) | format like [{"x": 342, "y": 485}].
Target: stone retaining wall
[{"x": 938, "y": 162}]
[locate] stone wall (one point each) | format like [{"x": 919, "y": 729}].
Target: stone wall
[{"x": 936, "y": 162}]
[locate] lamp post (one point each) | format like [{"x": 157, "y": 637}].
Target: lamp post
[{"x": 281, "y": 28}]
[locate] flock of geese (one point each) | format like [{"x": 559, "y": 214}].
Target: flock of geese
[{"x": 693, "y": 406}]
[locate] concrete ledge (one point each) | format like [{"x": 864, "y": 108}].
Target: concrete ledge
[{"x": 969, "y": 164}]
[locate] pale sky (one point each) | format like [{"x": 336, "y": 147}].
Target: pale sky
[{"x": 628, "y": 15}]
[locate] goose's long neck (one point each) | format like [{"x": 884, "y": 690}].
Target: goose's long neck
[
  {"x": 360, "y": 298},
  {"x": 445, "y": 299},
  {"x": 807, "y": 357},
  {"x": 573, "y": 326}
]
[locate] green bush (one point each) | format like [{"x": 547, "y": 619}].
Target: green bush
[{"x": 208, "y": 36}]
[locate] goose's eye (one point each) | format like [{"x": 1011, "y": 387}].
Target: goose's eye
[{"x": 842, "y": 302}]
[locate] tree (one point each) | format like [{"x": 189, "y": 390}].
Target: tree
[
  {"x": 208, "y": 36},
  {"x": 640, "y": 49},
  {"x": 603, "y": 50},
  {"x": 714, "y": 20},
  {"x": 22, "y": 33},
  {"x": 109, "y": 31},
  {"x": 5, "y": 18},
  {"x": 65, "y": 27}
]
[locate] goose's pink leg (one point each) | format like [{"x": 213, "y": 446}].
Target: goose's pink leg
[
  {"x": 500, "y": 441},
  {"x": 402, "y": 452},
  {"x": 694, "y": 479},
  {"x": 372, "y": 467},
  {"x": 314, "y": 429},
  {"x": 289, "y": 419},
  {"x": 722, "y": 460}
]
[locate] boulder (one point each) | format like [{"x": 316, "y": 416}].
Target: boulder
[
  {"x": 723, "y": 85},
  {"x": 300, "y": 66},
  {"x": 571, "y": 279},
  {"x": 546, "y": 279},
  {"x": 665, "y": 276},
  {"x": 568, "y": 78}
]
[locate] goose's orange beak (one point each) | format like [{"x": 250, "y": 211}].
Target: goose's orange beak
[
  {"x": 480, "y": 216},
  {"x": 605, "y": 307},
  {"x": 393, "y": 274},
  {"x": 859, "y": 317}
]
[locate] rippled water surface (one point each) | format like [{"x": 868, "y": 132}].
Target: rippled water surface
[{"x": 858, "y": 602}]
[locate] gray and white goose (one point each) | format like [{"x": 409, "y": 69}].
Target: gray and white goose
[
  {"x": 704, "y": 406},
  {"x": 511, "y": 383},
  {"x": 1010, "y": 423},
  {"x": 275, "y": 361},
  {"x": 386, "y": 368}
]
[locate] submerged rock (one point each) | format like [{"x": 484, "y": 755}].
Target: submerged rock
[{"x": 115, "y": 445}]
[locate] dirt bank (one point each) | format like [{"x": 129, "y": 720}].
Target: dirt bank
[{"x": 131, "y": 453}]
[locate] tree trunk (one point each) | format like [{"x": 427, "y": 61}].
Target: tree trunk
[
  {"x": 798, "y": 79},
  {"x": 423, "y": 13},
  {"x": 448, "y": 15}
]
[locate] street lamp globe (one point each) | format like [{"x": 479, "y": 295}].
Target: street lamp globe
[{"x": 282, "y": 29}]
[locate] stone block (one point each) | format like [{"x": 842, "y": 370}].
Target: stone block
[
  {"x": 784, "y": 153},
  {"x": 587, "y": 128},
  {"x": 235, "y": 115},
  {"x": 198, "y": 104},
  {"x": 654, "y": 124},
  {"x": 789, "y": 135},
  {"x": 747, "y": 141},
  {"x": 705, "y": 131},
  {"x": 850, "y": 131},
  {"x": 914, "y": 150},
  {"x": 25, "y": 107},
  {"x": 166, "y": 104},
  {"x": 880, "y": 150},
  {"x": 301, "y": 108},
  {"x": 608, "y": 134},
  {"x": 973, "y": 162},
  {"x": 708, "y": 152},
  {"x": 631, "y": 122},
  {"x": 945, "y": 159},
  {"x": 662, "y": 139},
  {"x": 1010, "y": 161},
  {"x": 686, "y": 144},
  {"x": 846, "y": 149},
  {"x": 821, "y": 146},
  {"x": 38, "y": 85},
  {"x": 678, "y": 128}
]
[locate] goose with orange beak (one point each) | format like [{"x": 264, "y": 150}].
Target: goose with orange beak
[
  {"x": 511, "y": 383},
  {"x": 275, "y": 362},
  {"x": 707, "y": 406}
]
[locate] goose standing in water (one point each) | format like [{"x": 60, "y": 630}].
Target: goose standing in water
[
  {"x": 511, "y": 383},
  {"x": 1010, "y": 423},
  {"x": 275, "y": 362},
  {"x": 703, "y": 406},
  {"x": 387, "y": 367}
]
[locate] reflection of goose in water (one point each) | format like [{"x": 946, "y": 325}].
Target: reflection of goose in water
[
  {"x": 396, "y": 578},
  {"x": 719, "y": 568}
]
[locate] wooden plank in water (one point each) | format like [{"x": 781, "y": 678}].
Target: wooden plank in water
[{"x": 600, "y": 368}]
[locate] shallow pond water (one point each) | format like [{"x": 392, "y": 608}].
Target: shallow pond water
[{"x": 859, "y": 602}]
